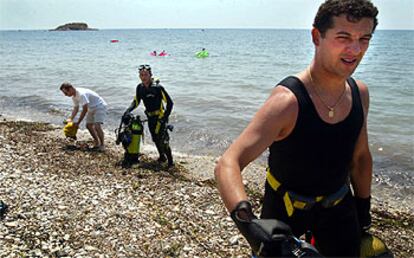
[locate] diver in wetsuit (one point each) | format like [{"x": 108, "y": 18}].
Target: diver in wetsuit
[{"x": 154, "y": 97}]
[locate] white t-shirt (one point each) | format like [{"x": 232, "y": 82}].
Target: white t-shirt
[{"x": 85, "y": 96}]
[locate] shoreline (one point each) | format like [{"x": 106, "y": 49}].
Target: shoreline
[
  {"x": 396, "y": 194},
  {"x": 71, "y": 202}
]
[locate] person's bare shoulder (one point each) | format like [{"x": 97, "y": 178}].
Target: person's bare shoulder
[
  {"x": 363, "y": 88},
  {"x": 280, "y": 111},
  {"x": 364, "y": 92},
  {"x": 282, "y": 100}
]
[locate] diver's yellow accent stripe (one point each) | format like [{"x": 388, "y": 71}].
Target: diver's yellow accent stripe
[
  {"x": 163, "y": 96},
  {"x": 162, "y": 106},
  {"x": 161, "y": 114},
  {"x": 157, "y": 127},
  {"x": 136, "y": 101}
]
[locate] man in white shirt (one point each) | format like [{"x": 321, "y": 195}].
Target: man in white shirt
[{"x": 93, "y": 107}]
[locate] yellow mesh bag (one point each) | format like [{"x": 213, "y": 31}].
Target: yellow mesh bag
[{"x": 70, "y": 130}]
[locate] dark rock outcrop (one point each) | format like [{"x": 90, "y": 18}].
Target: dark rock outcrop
[{"x": 73, "y": 26}]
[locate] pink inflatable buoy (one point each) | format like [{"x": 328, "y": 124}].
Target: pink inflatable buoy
[{"x": 163, "y": 53}]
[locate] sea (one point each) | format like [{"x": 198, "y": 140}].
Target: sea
[{"x": 215, "y": 97}]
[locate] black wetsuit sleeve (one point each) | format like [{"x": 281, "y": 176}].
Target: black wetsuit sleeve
[
  {"x": 131, "y": 107},
  {"x": 166, "y": 98},
  {"x": 135, "y": 102}
]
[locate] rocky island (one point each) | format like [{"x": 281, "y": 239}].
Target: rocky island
[{"x": 73, "y": 26}]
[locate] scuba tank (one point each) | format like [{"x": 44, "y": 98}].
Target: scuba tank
[
  {"x": 372, "y": 246},
  {"x": 136, "y": 131},
  {"x": 129, "y": 133}
]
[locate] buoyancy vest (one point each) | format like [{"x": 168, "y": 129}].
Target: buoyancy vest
[
  {"x": 315, "y": 158},
  {"x": 153, "y": 98}
]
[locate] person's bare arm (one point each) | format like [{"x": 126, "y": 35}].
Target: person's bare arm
[
  {"x": 74, "y": 112},
  {"x": 361, "y": 168},
  {"x": 274, "y": 120},
  {"x": 82, "y": 115}
]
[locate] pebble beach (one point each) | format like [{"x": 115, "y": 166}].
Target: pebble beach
[{"x": 66, "y": 201}]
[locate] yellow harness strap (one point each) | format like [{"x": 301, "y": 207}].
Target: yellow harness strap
[
  {"x": 154, "y": 113},
  {"x": 293, "y": 200},
  {"x": 272, "y": 180},
  {"x": 299, "y": 205},
  {"x": 275, "y": 186},
  {"x": 288, "y": 204}
]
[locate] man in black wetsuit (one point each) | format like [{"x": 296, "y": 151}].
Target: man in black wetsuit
[
  {"x": 315, "y": 126},
  {"x": 154, "y": 97}
]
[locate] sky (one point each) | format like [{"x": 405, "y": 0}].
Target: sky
[{"x": 118, "y": 14}]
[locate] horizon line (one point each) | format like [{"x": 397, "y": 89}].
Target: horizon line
[{"x": 189, "y": 28}]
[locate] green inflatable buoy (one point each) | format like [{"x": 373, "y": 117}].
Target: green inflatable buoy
[{"x": 202, "y": 54}]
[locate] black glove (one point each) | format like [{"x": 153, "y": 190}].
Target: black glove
[
  {"x": 126, "y": 117},
  {"x": 363, "y": 207},
  {"x": 126, "y": 113},
  {"x": 164, "y": 120},
  {"x": 267, "y": 237}
]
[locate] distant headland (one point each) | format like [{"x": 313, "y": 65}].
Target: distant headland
[{"x": 73, "y": 26}]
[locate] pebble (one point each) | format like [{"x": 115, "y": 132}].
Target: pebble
[
  {"x": 74, "y": 203},
  {"x": 234, "y": 240},
  {"x": 11, "y": 224}
]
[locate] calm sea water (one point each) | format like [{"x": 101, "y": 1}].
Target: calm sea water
[{"x": 216, "y": 97}]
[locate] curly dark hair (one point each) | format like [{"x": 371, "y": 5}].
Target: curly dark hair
[{"x": 354, "y": 10}]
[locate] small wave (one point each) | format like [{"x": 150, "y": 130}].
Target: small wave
[{"x": 32, "y": 107}]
